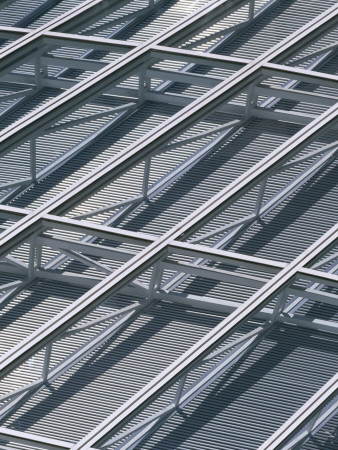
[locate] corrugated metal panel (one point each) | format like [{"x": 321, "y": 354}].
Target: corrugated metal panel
[
  {"x": 55, "y": 11},
  {"x": 297, "y": 222},
  {"x": 323, "y": 41},
  {"x": 17, "y": 10},
  {"x": 172, "y": 12},
  {"x": 105, "y": 379},
  {"x": 287, "y": 17},
  {"x": 138, "y": 124},
  {"x": 246, "y": 405},
  {"x": 33, "y": 307},
  {"x": 208, "y": 177},
  {"x": 28, "y": 105},
  {"x": 17, "y": 13}
]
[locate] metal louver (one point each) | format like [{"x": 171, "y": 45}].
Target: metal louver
[{"x": 168, "y": 219}]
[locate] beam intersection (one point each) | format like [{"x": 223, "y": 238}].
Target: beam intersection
[{"x": 156, "y": 252}]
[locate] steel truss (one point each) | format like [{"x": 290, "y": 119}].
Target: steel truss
[{"x": 281, "y": 289}]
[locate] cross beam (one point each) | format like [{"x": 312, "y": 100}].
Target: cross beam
[
  {"x": 157, "y": 248},
  {"x": 206, "y": 345},
  {"x": 153, "y": 252}
]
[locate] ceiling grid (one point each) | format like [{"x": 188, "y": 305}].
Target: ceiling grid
[{"x": 168, "y": 171}]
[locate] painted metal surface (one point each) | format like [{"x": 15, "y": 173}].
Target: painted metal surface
[{"x": 168, "y": 215}]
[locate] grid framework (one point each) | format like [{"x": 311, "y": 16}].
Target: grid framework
[{"x": 276, "y": 298}]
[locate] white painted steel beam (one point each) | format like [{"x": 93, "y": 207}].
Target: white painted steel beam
[
  {"x": 23, "y": 438},
  {"x": 97, "y": 83},
  {"x": 101, "y": 231},
  {"x": 89, "y": 87},
  {"x": 182, "y": 365},
  {"x": 12, "y": 32},
  {"x": 154, "y": 251},
  {"x": 157, "y": 248},
  {"x": 293, "y": 73},
  {"x": 266, "y": 314},
  {"x": 58, "y": 39},
  {"x": 319, "y": 277},
  {"x": 226, "y": 257},
  {"x": 197, "y": 57},
  {"x": 30, "y": 41}
]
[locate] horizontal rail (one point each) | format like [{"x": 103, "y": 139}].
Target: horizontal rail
[{"x": 200, "y": 350}]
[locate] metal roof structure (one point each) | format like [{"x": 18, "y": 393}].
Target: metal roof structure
[{"x": 169, "y": 237}]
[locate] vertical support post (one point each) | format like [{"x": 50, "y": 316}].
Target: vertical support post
[
  {"x": 297, "y": 302},
  {"x": 155, "y": 280},
  {"x": 40, "y": 70},
  {"x": 146, "y": 173},
  {"x": 32, "y": 158},
  {"x": 280, "y": 304},
  {"x": 260, "y": 197},
  {"x": 37, "y": 71},
  {"x": 308, "y": 430},
  {"x": 312, "y": 423},
  {"x": 251, "y": 101},
  {"x": 251, "y": 10},
  {"x": 31, "y": 262},
  {"x": 34, "y": 258},
  {"x": 179, "y": 391},
  {"x": 46, "y": 361},
  {"x": 144, "y": 84}
]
